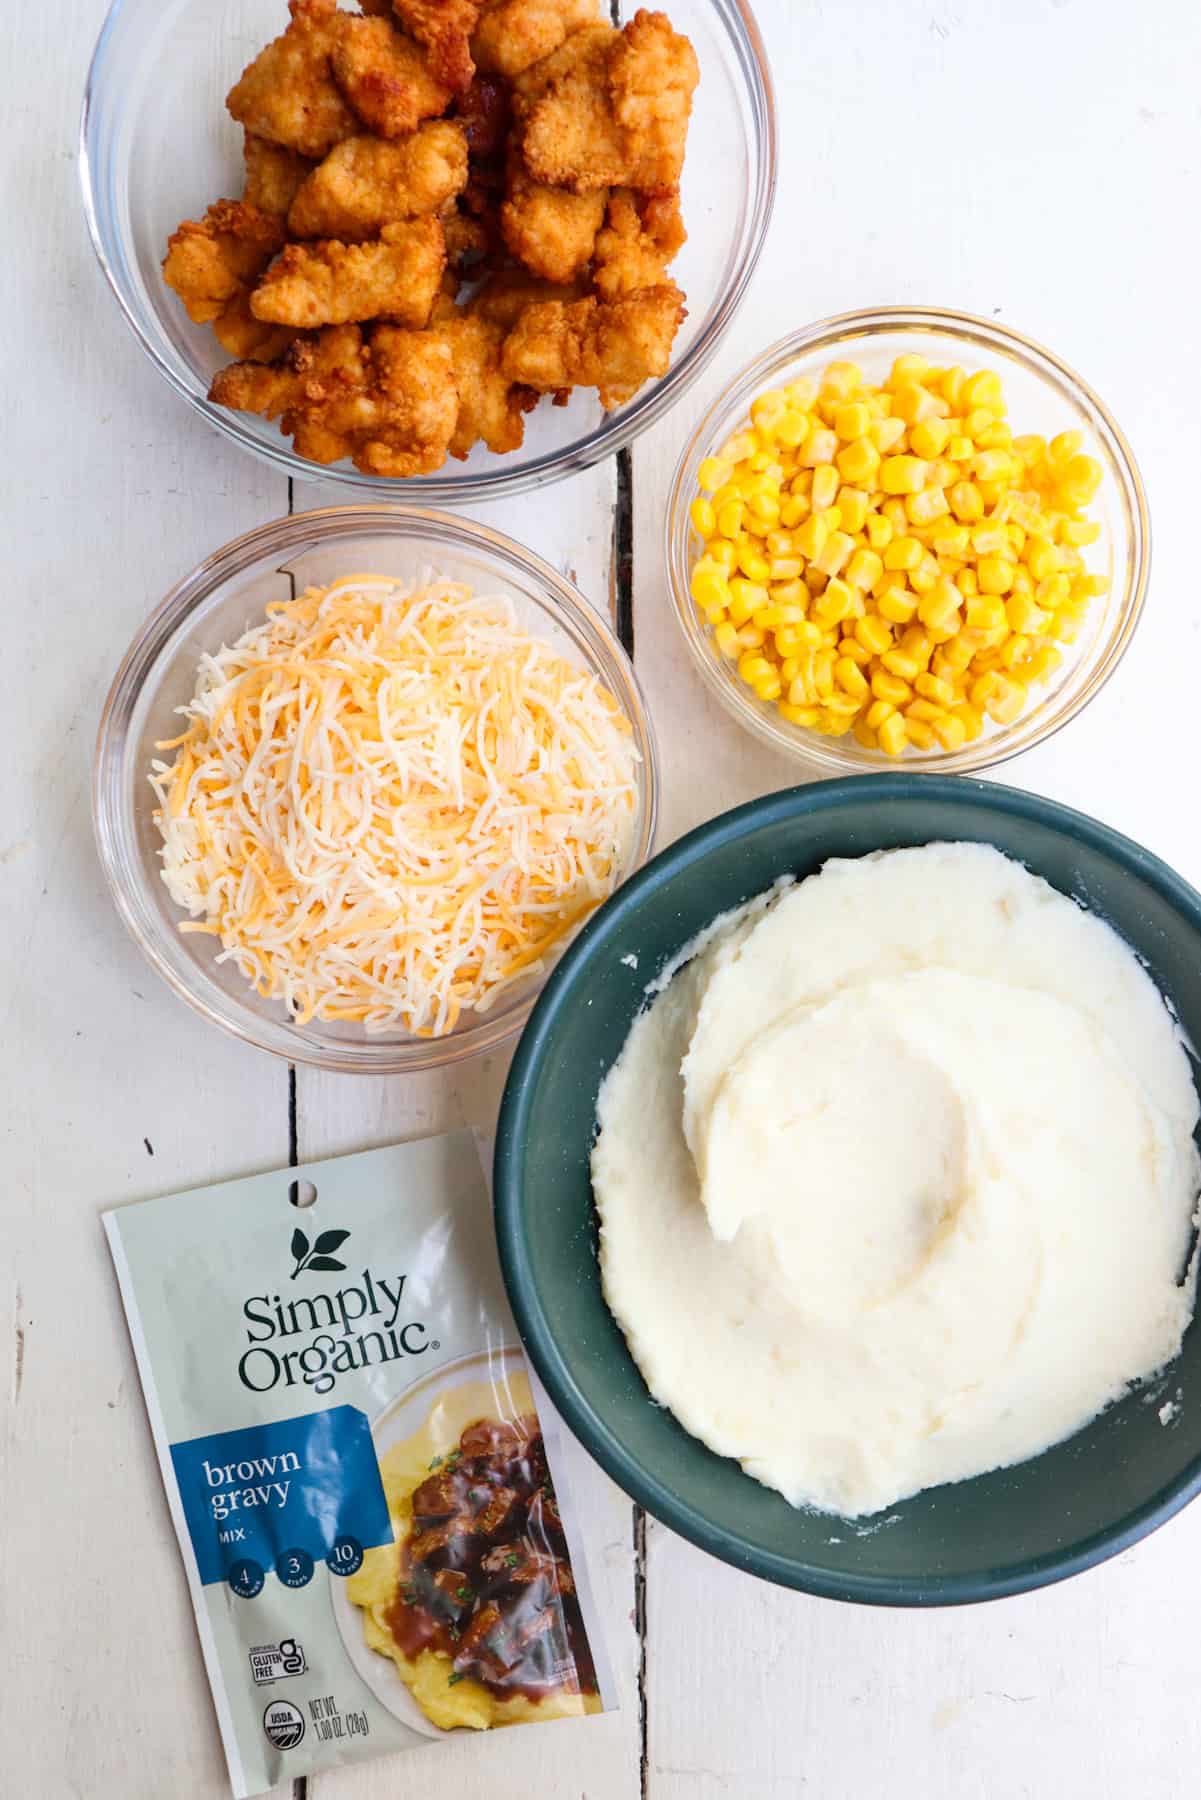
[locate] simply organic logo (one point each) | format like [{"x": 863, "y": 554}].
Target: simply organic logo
[
  {"x": 350, "y": 1327},
  {"x": 321, "y": 1254}
]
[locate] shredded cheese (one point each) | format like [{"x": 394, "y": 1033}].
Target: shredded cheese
[{"x": 390, "y": 804}]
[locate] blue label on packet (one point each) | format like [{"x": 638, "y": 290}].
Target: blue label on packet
[{"x": 281, "y": 1496}]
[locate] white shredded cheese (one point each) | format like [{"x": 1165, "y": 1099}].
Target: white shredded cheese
[{"x": 390, "y": 804}]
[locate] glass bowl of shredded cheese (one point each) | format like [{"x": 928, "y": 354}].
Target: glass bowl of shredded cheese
[{"x": 362, "y": 777}]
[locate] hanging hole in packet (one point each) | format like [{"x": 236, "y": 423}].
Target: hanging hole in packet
[{"x": 363, "y": 1476}]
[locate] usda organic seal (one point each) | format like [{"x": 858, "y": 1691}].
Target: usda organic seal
[{"x": 284, "y": 1724}]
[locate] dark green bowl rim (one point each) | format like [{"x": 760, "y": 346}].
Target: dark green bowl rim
[{"x": 670, "y": 1508}]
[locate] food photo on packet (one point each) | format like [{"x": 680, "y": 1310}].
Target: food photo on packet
[{"x": 616, "y": 1076}]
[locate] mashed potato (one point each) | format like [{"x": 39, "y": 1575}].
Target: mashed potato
[{"x": 897, "y": 1178}]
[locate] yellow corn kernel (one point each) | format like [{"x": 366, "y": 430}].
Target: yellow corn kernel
[
  {"x": 987, "y": 614},
  {"x": 907, "y": 369},
  {"x": 1005, "y": 701},
  {"x": 891, "y": 688},
  {"x": 864, "y": 568},
  {"x": 903, "y": 553},
  {"x": 713, "y": 473},
  {"x": 1014, "y": 652},
  {"x": 934, "y": 687},
  {"x": 913, "y": 403},
  {"x": 704, "y": 519},
  {"x": 835, "y": 604},
  {"x": 792, "y": 428},
  {"x": 835, "y": 723},
  {"x": 821, "y": 446},
  {"x": 737, "y": 448},
  {"x": 983, "y": 389},
  {"x": 1065, "y": 445},
  {"x": 892, "y": 734},
  {"x": 992, "y": 465},
  {"x": 877, "y": 712},
  {"x": 802, "y": 482},
  {"x": 1053, "y": 591},
  {"x": 860, "y": 460},
  {"x": 752, "y": 561},
  {"x": 725, "y": 636},
  {"x": 939, "y": 607},
  {"x": 834, "y": 552},
  {"x": 752, "y": 667},
  {"x": 966, "y": 582},
  {"x": 721, "y": 551},
  {"x": 923, "y": 578},
  {"x": 991, "y": 492},
  {"x": 1044, "y": 662},
  {"x": 851, "y": 420},
  {"x": 978, "y": 420},
  {"x": 764, "y": 465},
  {"x": 746, "y": 597},
  {"x": 751, "y": 638},
  {"x": 897, "y": 606},
  {"x": 792, "y": 510},
  {"x": 997, "y": 436},
  {"x": 840, "y": 380},
  {"x": 926, "y": 507},
  {"x": 1082, "y": 476},
  {"x": 863, "y": 734},
  {"x": 730, "y": 516},
  {"x": 767, "y": 408},
  {"x": 844, "y": 705},
  {"x": 765, "y": 508},
  {"x": 930, "y": 437},
  {"x": 852, "y": 509},
  {"x": 1023, "y": 615},
  {"x": 879, "y": 531},
  {"x": 849, "y": 676},
  {"x": 967, "y": 502},
  {"x": 799, "y": 715},
  {"x": 898, "y": 662},
  {"x": 886, "y": 434},
  {"x": 903, "y": 474},
  {"x": 950, "y": 731},
  {"x": 825, "y": 487},
  {"x": 767, "y": 618},
  {"x": 850, "y": 646},
  {"x": 801, "y": 393},
  {"x": 1079, "y": 532},
  {"x": 710, "y": 587},
  {"x": 874, "y": 633},
  {"x": 960, "y": 449},
  {"x": 768, "y": 687},
  {"x": 919, "y": 733},
  {"x": 925, "y": 710},
  {"x": 950, "y": 540},
  {"x": 784, "y": 568},
  {"x": 981, "y": 690},
  {"x": 950, "y": 386},
  {"x": 823, "y": 673}
]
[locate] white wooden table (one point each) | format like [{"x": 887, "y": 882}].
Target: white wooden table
[{"x": 1036, "y": 161}]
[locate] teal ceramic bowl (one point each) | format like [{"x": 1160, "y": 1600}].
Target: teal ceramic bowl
[{"x": 1087, "y": 1498}]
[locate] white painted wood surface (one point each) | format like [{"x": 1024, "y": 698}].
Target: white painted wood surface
[{"x": 1038, "y": 161}]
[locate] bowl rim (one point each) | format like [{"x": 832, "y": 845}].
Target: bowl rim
[
  {"x": 661, "y": 1501},
  {"x": 655, "y": 400},
  {"x": 842, "y": 330},
  {"x": 171, "y": 615}
]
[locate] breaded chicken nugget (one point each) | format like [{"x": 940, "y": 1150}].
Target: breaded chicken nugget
[
  {"x": 443, "y": 28},
  {"x": 316, "y": 369},
  {"x": 613, "y": 346},
  {"x": 512, "y": 35},
  {"x": 551, "y": 231},
  {"x": 613, "y": 109},
  {"x": 210, "y": 261},
  {"x": 273, "y": 173},
  {"x": 394, "y": 277},
  {"x": 491, "y": 408},
  {"x": 367, "y": 182},
  {"x": 643, "y": 233},
  {"x": 238, "y": 331},
  {"x": 385, "y": 77},
  {"x": 414, "y": 404},
  {"x": 288, "y": 93},
  {"x": 505, "y": 296}
]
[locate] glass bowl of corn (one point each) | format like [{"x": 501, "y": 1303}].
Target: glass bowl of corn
[{"x": 907, "y": 536}]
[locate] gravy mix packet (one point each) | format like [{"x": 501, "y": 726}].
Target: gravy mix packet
[{"x": 362, "y": 1480}]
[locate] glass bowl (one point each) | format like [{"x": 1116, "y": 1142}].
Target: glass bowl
[
  {"x": 1044, "y": 396},
  {"x": 213, "y": 606},
  {"x": 157, "y": 145}
]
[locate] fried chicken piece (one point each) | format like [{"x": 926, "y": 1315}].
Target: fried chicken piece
[
  {"x": 213, "y": 260},
  {"x": 512, "y": 35},
  {"x": 611, "y": 345},
  {"x": 643, "y": 234},
  {"x": 385, "y": 77},
  {"x": 468, "y": 245},
  {"x": 394, "y": 277},
  {"x": 443, "y": 28},
  {"x": 389, "y": 402},
  {"x": 238, "y": 331},
  {"x": 491, "y": 407},
  {"x": 273, "y": 173},
  {"x": 486, "y": 114},
  {"x": 553, "y": 232},
  {"x": 507, "y": 294},
  {"x": 614, "y": 110},
  {"x": 368, "y": 182},
  {"x": 288, "y": 94}
]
